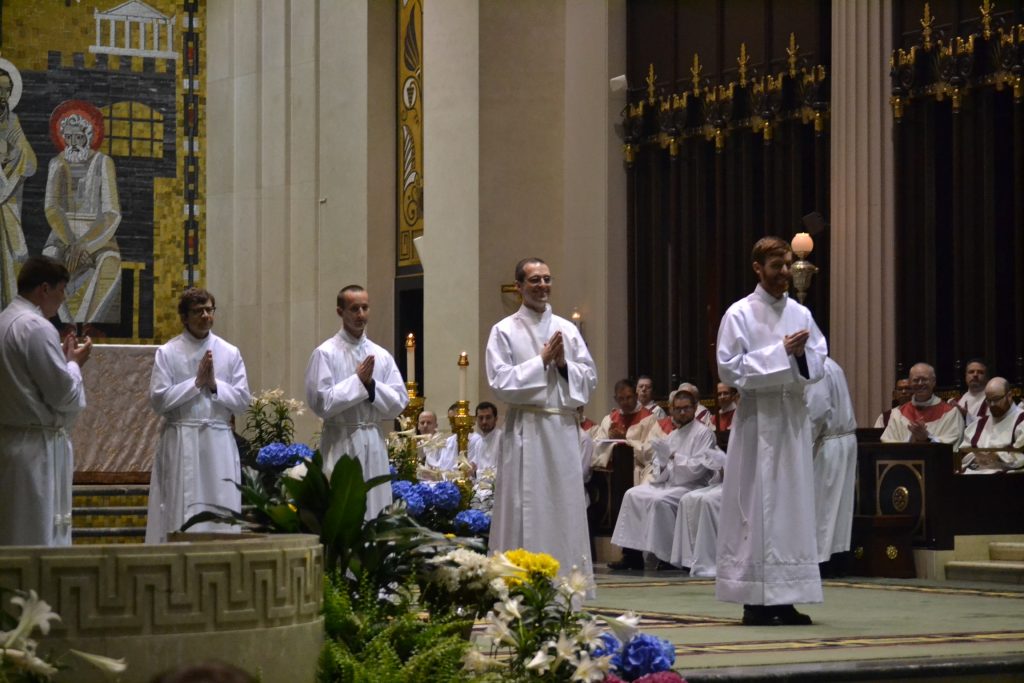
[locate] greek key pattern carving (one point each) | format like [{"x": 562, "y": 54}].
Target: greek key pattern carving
[{"x": 174, "y": 588}]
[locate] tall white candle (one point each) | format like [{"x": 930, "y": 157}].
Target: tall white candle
[
  {"x": 410, "y": 357},
  {"x": 463, "y": 375}
]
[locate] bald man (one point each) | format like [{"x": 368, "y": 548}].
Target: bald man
[
  {"x": 1001, "y": 427},
  {"x": 925, "y": 418}
]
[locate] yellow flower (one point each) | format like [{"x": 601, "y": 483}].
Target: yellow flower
[{"x": 538, "y": 566}]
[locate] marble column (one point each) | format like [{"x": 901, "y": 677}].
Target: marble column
[{"x": 862, "y": 296}]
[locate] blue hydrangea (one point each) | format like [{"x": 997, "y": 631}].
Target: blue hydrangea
[
  {"x": 394, "y": 471},
  {"x": 473, "y": 521},
  {"x": 647, "y": 654},
  {"x": 445, "y": 495},
  {"x": 610, "y": 646},
  {"x": 299, "y": 452},
  {"x": 273, "y": 455},
  {"x": 410, "y": 493}
]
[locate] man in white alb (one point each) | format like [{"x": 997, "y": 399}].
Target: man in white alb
[
  {"x": 353, "y": 385},
  {"x": 683, "y": 461},
  {"x": 41, "y": 385},
  {"x": 1001, "y": 427},
  {"x": 539, "y": 365},
  {"x": 769, "y": 347},
  {"x": 198, "y": 383},
  {"x": 972, "y": 404}
]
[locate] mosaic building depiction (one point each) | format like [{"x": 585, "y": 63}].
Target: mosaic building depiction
[{"x": 100, "y": 143}]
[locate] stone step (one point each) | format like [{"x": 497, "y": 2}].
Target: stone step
[
  {"x": 986, "y": 571},
  {"x": 1007, "y": 552}
]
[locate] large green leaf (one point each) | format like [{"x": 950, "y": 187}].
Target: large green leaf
[{"x": 344, "y": 518}]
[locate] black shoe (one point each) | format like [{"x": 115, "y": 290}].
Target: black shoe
[
  {"x": 625, "y": 565},
  {"x": 664, "y": 566},
  {"x": 758, "y": 615},
  {"x": 788, "y": 616}
]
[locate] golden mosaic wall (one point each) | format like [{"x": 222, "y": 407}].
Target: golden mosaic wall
[{"x": 53, "y": 46}]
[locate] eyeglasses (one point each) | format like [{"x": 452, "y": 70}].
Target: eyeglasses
[
  {"x": 200, "y": 310},
  {"x": 994, "y": 401}
]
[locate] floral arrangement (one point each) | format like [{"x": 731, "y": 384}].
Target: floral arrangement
[
  {"x": 279, "y": 455},
  {"x": 539, "y": 632},
  {"x": 402, "y": 450},
  {"x": 436, "y": 505},
  {"x": 18, "y": 650},
  {"x": 465, "y": 583},
  {"x": 269, "y": 419}
]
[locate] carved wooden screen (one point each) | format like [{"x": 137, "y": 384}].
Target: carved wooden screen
[
  {"x": 726, "y": 140},
  {"x": 958, "y": 103}
]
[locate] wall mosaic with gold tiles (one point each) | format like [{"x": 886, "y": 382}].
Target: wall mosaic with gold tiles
[{"x": 102, "y": 139}]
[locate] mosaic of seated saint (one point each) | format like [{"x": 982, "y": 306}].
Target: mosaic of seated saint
[{"x": 83, "y": 211}]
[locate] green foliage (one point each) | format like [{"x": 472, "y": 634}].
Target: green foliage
[{"x": 367, "y": 645}]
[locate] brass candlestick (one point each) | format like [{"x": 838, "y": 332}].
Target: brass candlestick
[{"x": 416, "y": 403}]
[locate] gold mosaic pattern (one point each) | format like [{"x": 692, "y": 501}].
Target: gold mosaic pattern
[{"x": 30, "y": 31}]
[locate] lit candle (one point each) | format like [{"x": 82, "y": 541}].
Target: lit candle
[
  {"x": 802, "y": 244},
  {"x": 463, "y": 375},
  {"x": 410, "y": 357}
]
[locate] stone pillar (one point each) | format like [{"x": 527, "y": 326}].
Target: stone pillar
[
  {"x": 862, "y": 296},
  {"x": 450, "y": 246},
  {"x": 295, "y": 105}
]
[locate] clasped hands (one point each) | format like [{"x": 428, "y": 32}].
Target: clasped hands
[
  {"x": 75, "y": 351},
  {"x": 554, "y": 351},
  {"x": 364, "y": 371},
  {"x": 794, "y": 343},
  {"x": 204, "y": 376}
]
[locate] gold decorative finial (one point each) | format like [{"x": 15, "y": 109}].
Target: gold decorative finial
[
  {"x": 650, "y": 83},
  {"x": 926, "y": 27},
  {"x": 792, "y": 51},
  {"x": 743, "y": 60},
  {"x": 695, "y": 73},
  {"x": 410, "y": 341},
  {"x": 463, "y": 360},
  {"x": 986, "y": 8}
]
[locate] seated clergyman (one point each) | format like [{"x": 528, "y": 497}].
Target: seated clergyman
[{"x": 1002, "y": 426}]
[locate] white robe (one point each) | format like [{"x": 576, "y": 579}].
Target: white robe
[
  {"x": 695, "y": 542},
  {"x": 42, "y": 394},
  {"x": 835, "y": 459},
  {"x": 1009, "y": 431},
  {"x": 487, "y": 454},
  {"x": 196, "y": 463},
  {"x": 351, "y": 422},
  {"x": 974, "y": 406},
  {"x": 683, "y": 461},
  {"x": 767, "y": 551},
  {"x": 657, "y": 411},
  {"x": 539, "y": 498},
  {"x": 947, "y": 425}
]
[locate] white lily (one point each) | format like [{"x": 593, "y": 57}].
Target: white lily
[
  {"x": 502, "y": 566},
  {"x": 577, "y": 583},
  {"x": 297, "y": 472},
  {"x": 497, "y": 629},
  {"x": 565, "y": 648},
  {"x": 35, "y": 613},
  {"x": 105, "y": 664},
  {"x": 541, "y": 661},
  {"x": 624, "y": 626},
  {"x": 589, "y": 634},
  {"x": 509, "y": 609},
  {"x": 28, "y": 662},
  {"x": 588, "y": 670},
  {"x": 476, "y": 661}
]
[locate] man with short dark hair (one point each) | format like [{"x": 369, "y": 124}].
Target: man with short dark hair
[
  {"x": 353, "y": 385},
  {"x": 488, "y": 451},
  {"x": 972, "y": 404},
  {"x": 621, "y": 425},
  {"x": 198, "y": 384},
  {"x": 41, "y": 385},
  {"x": 539, "y": 365},
  {"x": 901, "y": 393},
  {"x": 769, "y": 347}
]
